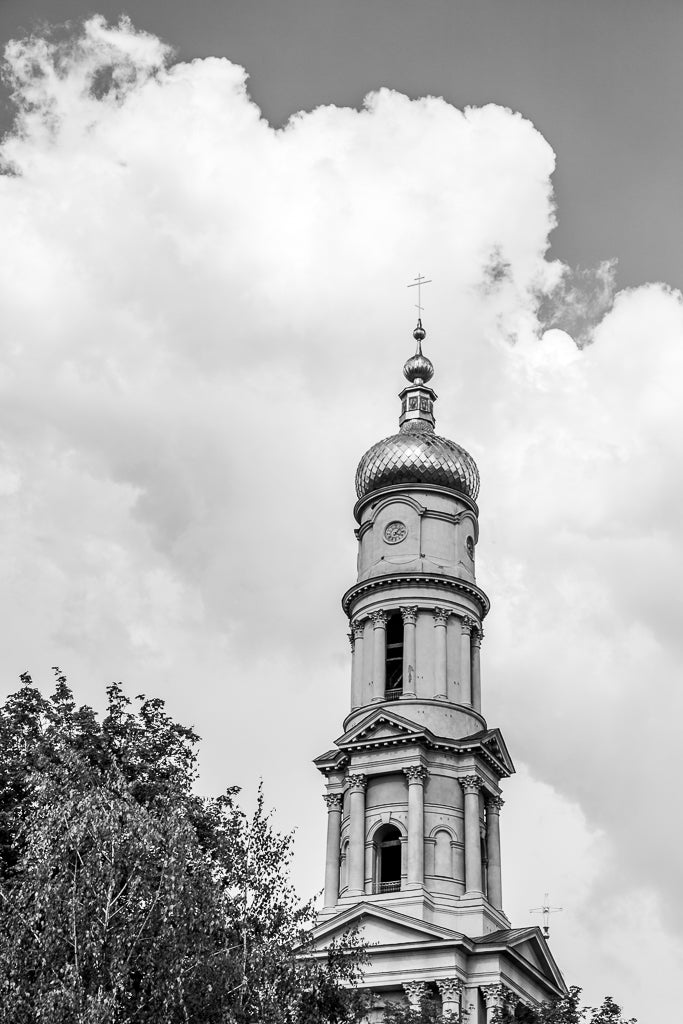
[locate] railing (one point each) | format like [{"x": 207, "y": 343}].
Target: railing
[
  {"x": 389, "y": 886},
  {"x": 393, "y": 694}
]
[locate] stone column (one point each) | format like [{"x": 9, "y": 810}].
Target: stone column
[
  {"x": 416, "y": 775},
  {"x": 356, "y": 638},
  {"x": 477, "y": 637},
  {"x": 415, "y": 990},
  {"x": 334, "y": 813},
  {"x": 495, "y": 887},
  {"x": 379, "y": 654},
  {"x": 450, "y": 989},
  {"x": 471, "y": 784},
  {"x": 356, "y": 854},
  {"x": 409, "y": 651},
  {"x": 498, "y": 998},
  {"x": 466, "y": 624},
  {"x": 440, "y": 664}
]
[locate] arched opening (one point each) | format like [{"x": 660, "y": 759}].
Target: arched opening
[
  {"x": 388, "y": 859},
  {"x": 394, "y": 666},
  {"x": 443, "y": 858}
]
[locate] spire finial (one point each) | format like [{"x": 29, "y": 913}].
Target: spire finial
[{"x": 417, "y": 283}]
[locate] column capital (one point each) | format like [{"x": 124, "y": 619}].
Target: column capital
[
  {"x": 440, "y": 616},
  {"x": 357, "y": 629},
  {"x": 409, "y": 614},
  {"x": 471, "y": 783},
  {"x": 467, "y": 624},
  {"x": 379, "y": 619},
  {"x": 415, "y": 773},
  {"x": 498, "y": 996},
  {"x": 352, "y": 640},
  {"x": 449, "y": 988},
  {"x": 415, "y": 990},
  {"x": 357, "y": 781},
  {"x": 477, "y": 635},
  {"x": 333, "y": 800},
  {"x": 494, "y": 804}
]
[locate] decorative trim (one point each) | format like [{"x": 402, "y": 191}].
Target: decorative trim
[
  {"x": 400, "y": 580},
  {"x": 407, "y": 488}
]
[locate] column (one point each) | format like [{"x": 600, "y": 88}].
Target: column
[
  {"x": 416, "y": 775},
  {"x": 409, "y": 651},
  {"x": 356, "y": 853},
  {"x": 477, "y": 637},
  {"x": 440, "y": 665},
  {"x": 498, "y": 998},
  {"x": 471, "y": 784},
  {"x": 415, "y": 990},
  {"x": 356, "y": 638},
  {"x": 466, "y": 624},
  {"x": 334, "y": 813},
  {"x": 495, "y": 887},
  {"x": 379, "y": 654},
  {"x": 450, "y": 989}
]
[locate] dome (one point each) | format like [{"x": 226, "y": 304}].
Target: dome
[{"x": 417, "y": 455}]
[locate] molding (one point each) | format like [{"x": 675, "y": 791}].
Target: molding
[
  {"x": 399, "y": 580},
  {"x": 382, "y": 492}
]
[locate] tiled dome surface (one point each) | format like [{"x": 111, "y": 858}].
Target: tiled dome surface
[{"x": 417, "y": 456}]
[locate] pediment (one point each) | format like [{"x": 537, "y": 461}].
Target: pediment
[
  {"x": 379, "y": 926},
  {"x": 381, "y": 724},
  {"x": 530, "y": 946}
]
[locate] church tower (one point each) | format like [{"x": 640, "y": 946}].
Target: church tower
[{"x": 413, "y": 785}]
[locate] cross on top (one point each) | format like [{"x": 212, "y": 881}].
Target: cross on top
[
  {"x": 417, "y": 283},
  {"x": 546, "y": 910}
]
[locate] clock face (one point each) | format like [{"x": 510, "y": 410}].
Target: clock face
[{"x": 395, "y": 532}]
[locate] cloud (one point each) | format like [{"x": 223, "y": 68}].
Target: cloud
[{"x": 204, "y": 324}]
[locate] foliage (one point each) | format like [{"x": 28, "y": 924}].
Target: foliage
[
  {"x": 566, "y": 1010},
  {"x": 124, "y": 897}
]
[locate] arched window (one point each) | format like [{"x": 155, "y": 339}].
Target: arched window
[
  {"x": 443, "y": 859},
  {"x": 344, "y": 866},
  {"x": 388, "y": 859},
  {"x": 394, "y": 682}
]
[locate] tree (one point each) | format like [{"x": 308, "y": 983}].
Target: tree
[
  {"x": 566, "y": 1010},
  {"x": 124, "y": 897}
]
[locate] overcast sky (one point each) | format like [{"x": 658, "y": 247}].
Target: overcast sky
[{"x": 203, "y": 320}]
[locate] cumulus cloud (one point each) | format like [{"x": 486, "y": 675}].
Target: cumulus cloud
[{"x": 203, "y": 326}]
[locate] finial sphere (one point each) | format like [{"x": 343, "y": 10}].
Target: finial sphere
[{"x": 419, "y": 333}]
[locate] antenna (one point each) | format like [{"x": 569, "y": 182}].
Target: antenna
[
  {"x": 546, "y": 910},
  {"x": 417, "y": 283}
]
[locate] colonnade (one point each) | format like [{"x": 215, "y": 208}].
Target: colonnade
[
  {"x": 457, "y": 998},
  {"x": 370, "y": 665},
  {"x": 415, "y": 775}
]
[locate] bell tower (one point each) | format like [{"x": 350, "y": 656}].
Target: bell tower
[{"x": 413, "y": 784}]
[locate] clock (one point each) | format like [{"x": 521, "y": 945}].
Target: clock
[{"x": 395, "y": 532}]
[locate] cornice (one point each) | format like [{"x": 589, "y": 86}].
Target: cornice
[
  {"x": 392, "y": 581},
  {"x": 381, "y": 492}
]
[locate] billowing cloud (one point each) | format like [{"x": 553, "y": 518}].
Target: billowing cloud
[{"x": 204, "y": 322}]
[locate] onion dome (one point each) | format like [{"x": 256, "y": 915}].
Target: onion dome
[{"x": 417, "y": 455}]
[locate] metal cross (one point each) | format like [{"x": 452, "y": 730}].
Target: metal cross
[
  {"x": 546, "y": 910},
  {"x": 417, "y": 283}
]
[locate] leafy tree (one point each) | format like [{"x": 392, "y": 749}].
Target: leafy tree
[
  {"x": 566, "y": 1010},
  {"x": 124, "y": 897}
]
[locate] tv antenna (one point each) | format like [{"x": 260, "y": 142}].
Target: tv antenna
[
  {"x": 417, "y": 283},
  {"x": 546, "y": 910}
]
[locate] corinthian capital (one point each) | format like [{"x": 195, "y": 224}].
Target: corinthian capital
[
  {"x": 415, "y": 990},
  {"x": 409, "y": 615},
  {"x": 379, "y": 620},
  {"x": 499, "y": 997},
  {"x": 471, "y": 783},
  {"x": 333, "y": 800},
  {"x": 450, "y": 989},
  {"x": 357, "y": 629},
  {"x": 357, "y": 781},
  {"x": 494, "y": 804},
  {"x": 415, "y": 773},
  {"x": 441, "y": 616},
  {"x": 477, "y": 636},
  {"x": 467, "y": 624}
]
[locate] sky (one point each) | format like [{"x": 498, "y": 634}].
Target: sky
[{"x": 203, "y": 321}]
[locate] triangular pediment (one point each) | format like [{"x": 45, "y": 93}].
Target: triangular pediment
[
  {"x": 528, "y": 944},
  {"x": 381, "y": 724},
  {"x": 379, "y": 926}
]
